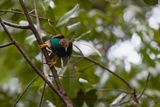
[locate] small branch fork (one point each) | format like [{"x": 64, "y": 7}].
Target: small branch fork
[{"x": 6, "y": 45}]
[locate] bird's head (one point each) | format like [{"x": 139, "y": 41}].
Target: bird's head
[{"x": 64, "y": 43}]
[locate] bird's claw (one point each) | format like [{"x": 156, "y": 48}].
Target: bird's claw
[
  {"x": 43, "y": 45},
  {"x": 51, "y": 63}
]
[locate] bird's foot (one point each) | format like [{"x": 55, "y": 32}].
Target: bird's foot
[
  {"x": 44, "y": 45},
  {"x": 51, "y": 63}
]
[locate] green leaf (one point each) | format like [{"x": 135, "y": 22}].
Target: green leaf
[
  {"x": 67, "y": 16},
  {"x": 156, "y": 36},
  {"x": 91, "y": 97},
  {"x": 51, "y": 96},
  {"x": 71, "y": 85},
  {"x": 79, "y": 100},
  {"x": 74, "y": 26}
]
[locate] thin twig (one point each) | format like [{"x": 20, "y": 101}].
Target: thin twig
[
  {"x": 65, "y": 76},
  {"x": 25, "y": 90},
  {"x": 144, "y": 86},
  {"x": 39, "y": 31},
  {"x": 6, "y": 45},
  {"x": 81, "y": 53},
  {"x": 112, "y": 89},
  {"x": 21, "y": 13},
  {"x": 43, "y": 91},
  {"x": 37, "y": 16},
  {"x": 15, "y": 25}
]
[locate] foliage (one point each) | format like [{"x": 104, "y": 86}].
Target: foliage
[{"x": 102, "y": 24}]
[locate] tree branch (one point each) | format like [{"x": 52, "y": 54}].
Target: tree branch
[
  {"x": 35, "y": 69},
  {"x": 6, "y": 45},
  {"x": 43, "y": 91},
  {"x": 65, "y": 98},
  {"x": 144, "y": 86},
  {"x": 37, "y": 16},
  {"x": 15, "y": 25}
]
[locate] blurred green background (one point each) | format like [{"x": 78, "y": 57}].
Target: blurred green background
[{"x": 124, "y": 35}]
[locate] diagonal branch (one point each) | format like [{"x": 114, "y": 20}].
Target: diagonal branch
[
  {"x": 146, "y": 83},
  {"x": 37, "y": 16},
  {"x": 43, "y": 92},
  {"x": 6, "y": 45}
]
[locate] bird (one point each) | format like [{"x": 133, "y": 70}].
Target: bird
[{"x": 58, "y": 47}]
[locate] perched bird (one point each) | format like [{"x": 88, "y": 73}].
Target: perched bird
[{"x": 58, "y": 48}]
